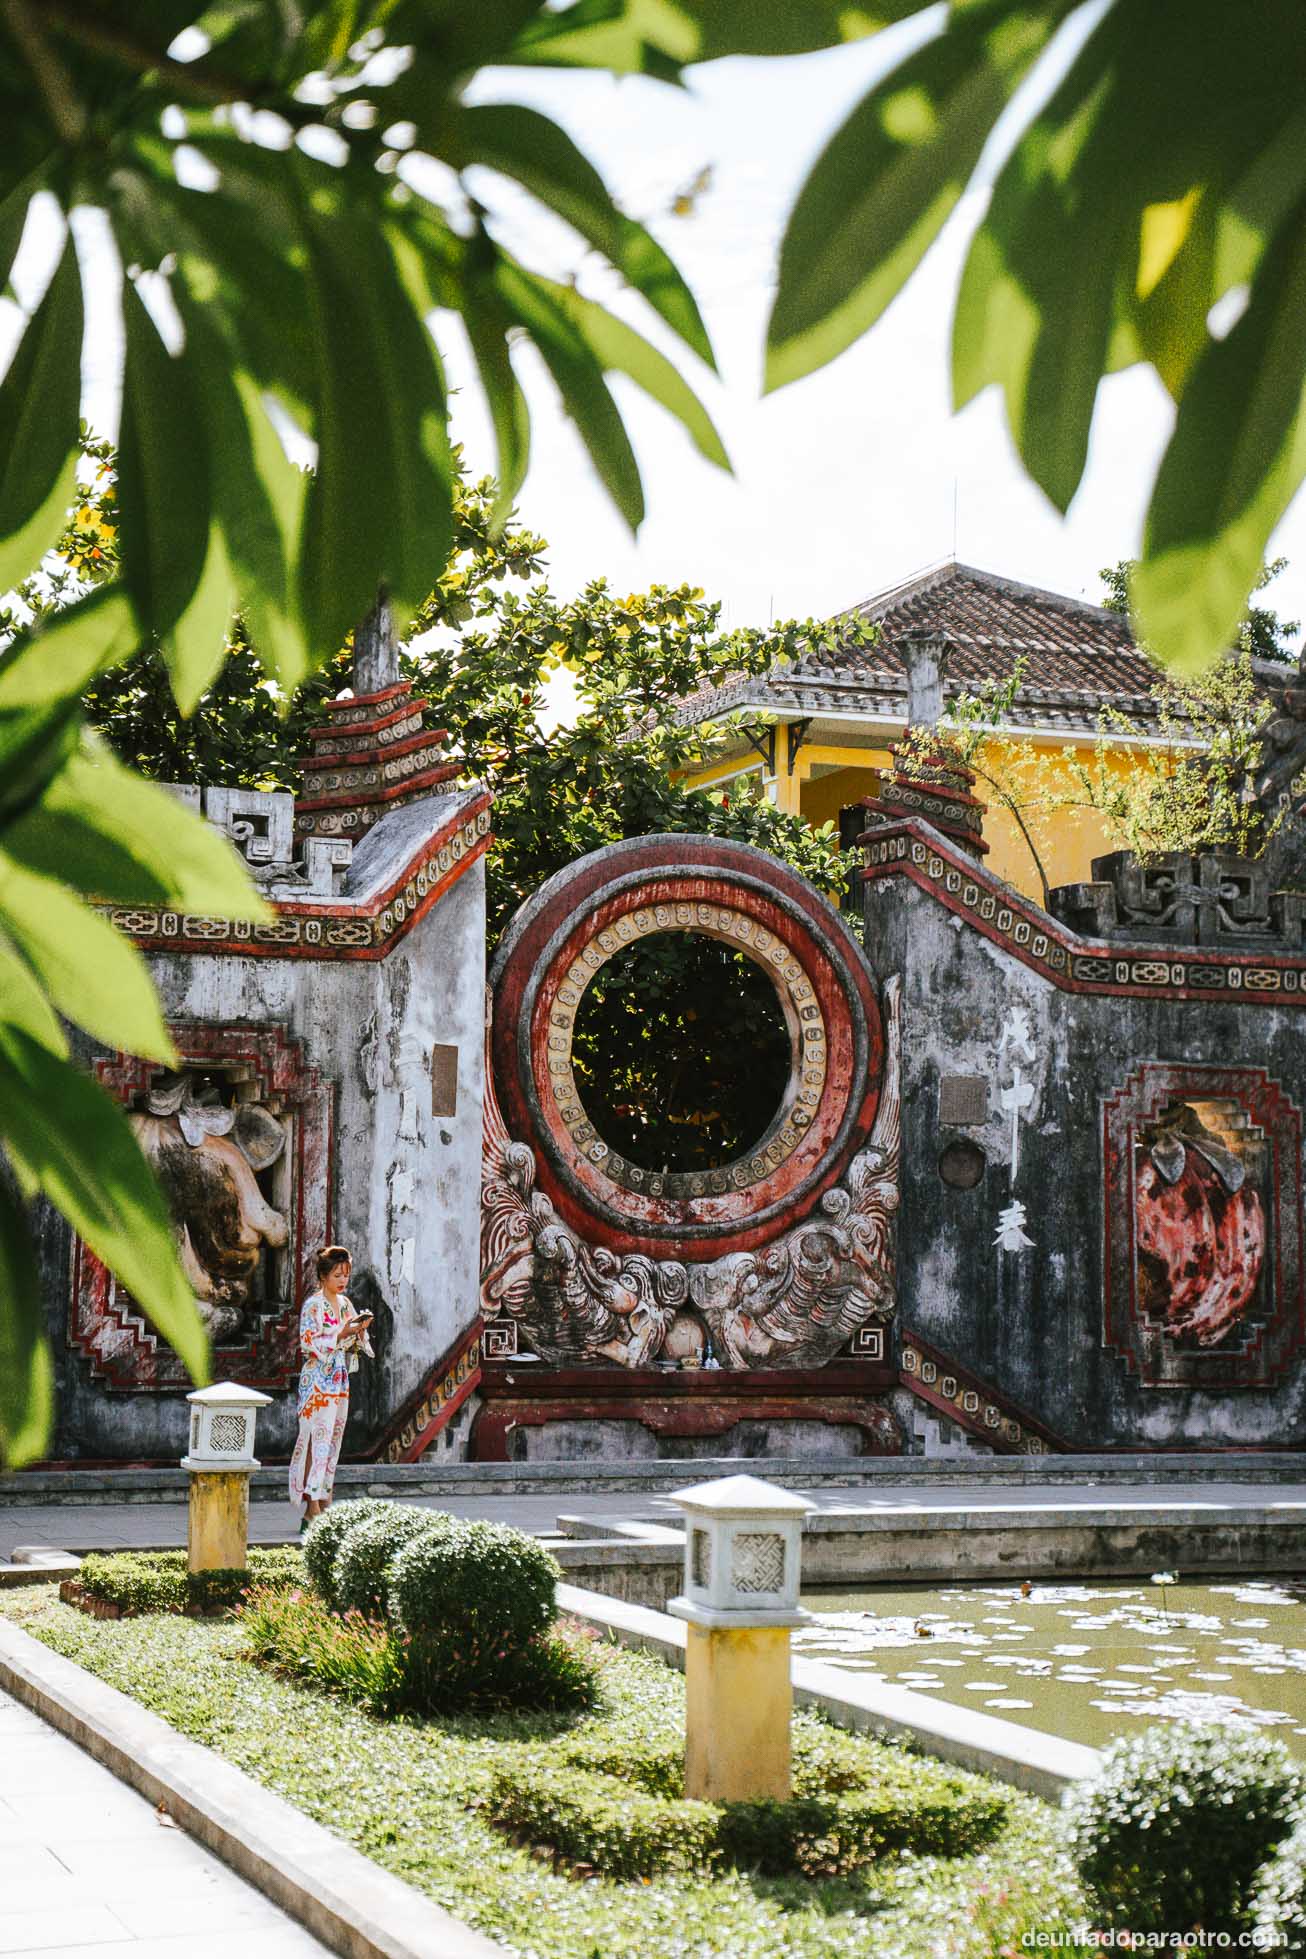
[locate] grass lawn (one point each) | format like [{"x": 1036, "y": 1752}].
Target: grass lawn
[{"x": 405, "y": 1793}]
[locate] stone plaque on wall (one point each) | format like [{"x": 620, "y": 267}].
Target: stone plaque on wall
[{"x": 963, "y": 1101}]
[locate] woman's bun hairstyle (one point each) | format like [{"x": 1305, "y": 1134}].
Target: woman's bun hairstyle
[{"x": 332, "y": 1255}]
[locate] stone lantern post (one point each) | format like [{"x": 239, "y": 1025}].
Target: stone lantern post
[
  {"x": 742, "y": 1565},
  {"x": 221, "y": 1461}
]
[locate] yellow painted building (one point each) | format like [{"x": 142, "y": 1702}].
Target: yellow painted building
[{"x": 813, "y": 735}]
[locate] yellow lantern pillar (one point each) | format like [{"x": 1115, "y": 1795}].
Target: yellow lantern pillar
[
  {"x": 742, "y": 1572},
  {"x": 221, "y": 1461}
]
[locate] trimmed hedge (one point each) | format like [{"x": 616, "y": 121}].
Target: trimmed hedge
[
  {"x": 602, "y": 1824},
  {"x": 624, "y": 1812},
  {"x": 1170, "y": 1833},
  {"x": 159, "y": 1581},
  {"x": 327, "y": 1532},
  {"x": 483, "y": 1585},
  {"x": 360, "y": 1575}
]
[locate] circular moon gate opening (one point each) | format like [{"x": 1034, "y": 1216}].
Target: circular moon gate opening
[
  {"x": 687, "y": 888},
  {"x": 682, "y": 1052}
]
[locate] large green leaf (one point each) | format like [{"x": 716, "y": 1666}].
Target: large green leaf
[
  {"x": 23, "y": 1002},
  {"x": 527, "y": 146},
  {"x": 39, "y": 402},
  {"x": 487, "y": 333},
  {"x": 579, "y": 377},
  {"x": 26, "y": 1367},
  {"x": 68, "y": 1138},
  {"x": 164, "y": 498},
  {"x": 92, "y": 974},
  {"x": 878, "y": 195},
  {"x": 380, "y": 504},
  {"x": 659, "y": 37},
  {"x": 1235, "y": 461},
  {"x": 1126, "y": 208},
  {"x": 42, "y": 675},
  {"x": 619, "y": 349},
  {"x": 104, "y": 830}
]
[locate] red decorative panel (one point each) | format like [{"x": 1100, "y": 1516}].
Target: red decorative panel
[
  {"x": 1204, "y": 1227},
  {"x": 105, "y": 1323}
]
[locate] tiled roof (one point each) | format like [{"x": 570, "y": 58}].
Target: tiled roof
[{"x": 1077, "y": 657}]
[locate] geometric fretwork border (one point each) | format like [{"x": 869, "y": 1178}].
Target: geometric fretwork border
[
  {"x": 1275, "y": 1325},
  {"x": 991, "y": 907},
  {"x": 993, "y": 1418},
  {"x": 106, "y": 1325}
]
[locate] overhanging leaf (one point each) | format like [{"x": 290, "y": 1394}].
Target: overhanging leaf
[
  {"x": 163, "y": 496},
  {"x": 1236, "y": 459},
  {"x": 39, "y": 402},
  {"x": 23, "y": 1003},
  {"x": 26, "y": 1366},
  {"x": 117, "y": 837},
  {"x": 42, "y": 675},
  {"x": 380, "y": 504},
  {"x": 92, "y": 974},
  {"x": 619, "y": 349},
  {"x": 880, "y": 191},
  {"x": 68, "y": 1138},
  {"x": 532, "y": 149},
  {"x": 579, "y": 377}
]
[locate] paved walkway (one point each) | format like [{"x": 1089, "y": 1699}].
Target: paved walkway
[
  {"x": 87, "y": 1868},
  {"x": 122, "y": 1526}
]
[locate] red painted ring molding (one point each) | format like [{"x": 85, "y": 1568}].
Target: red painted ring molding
[{"x": 729, "y": 891}]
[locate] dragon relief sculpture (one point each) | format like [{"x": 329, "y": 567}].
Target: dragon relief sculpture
[{"x": 792, "y": 1303}]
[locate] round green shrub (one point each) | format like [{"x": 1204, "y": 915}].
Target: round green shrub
[
  {"x": 327, "y": 1532},
  {"x": 1170, "y": 1833},
  {"x": 487, "y": 1587},
  {"x": 1279, "y": 1904},
  {"x": 360, "y": 1574}
]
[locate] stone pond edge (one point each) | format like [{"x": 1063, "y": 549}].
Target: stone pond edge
[
  {"x": 320, "y": 1880},
  {"x": 1038, "y": 1763}
]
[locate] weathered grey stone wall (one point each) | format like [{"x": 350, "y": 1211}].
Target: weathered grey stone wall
[
  {"x": 1029, "y": 1322},
  {"x": 406, "y": 1182}
]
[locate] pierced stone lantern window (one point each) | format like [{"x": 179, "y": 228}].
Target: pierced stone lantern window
[
  {"x": 742, "y": 1553},
  {"x": 222, "y": 1422}
]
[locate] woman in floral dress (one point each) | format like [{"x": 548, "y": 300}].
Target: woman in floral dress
[{"x": 328, "y": 1330}]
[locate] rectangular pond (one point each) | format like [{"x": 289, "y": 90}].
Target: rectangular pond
[{"x": 1088, "y": 1661}]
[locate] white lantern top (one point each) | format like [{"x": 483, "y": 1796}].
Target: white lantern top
[
  {"x": 229, "y": 1394},
  {"x": 743, "y": 1549},
  {"x": 742, "y": 1496},
  {"x": 222, "y": 1422}
]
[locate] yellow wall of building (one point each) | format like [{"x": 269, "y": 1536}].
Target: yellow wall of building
[{"x": 1067, "y": 839}]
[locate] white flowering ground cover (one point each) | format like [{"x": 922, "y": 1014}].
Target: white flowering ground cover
[
  {"x": 407, "y": 1794},
  {"x": 1088, "y": 1662}
]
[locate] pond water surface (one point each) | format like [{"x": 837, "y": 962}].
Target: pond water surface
[{"x": 1087, "y": 1662}]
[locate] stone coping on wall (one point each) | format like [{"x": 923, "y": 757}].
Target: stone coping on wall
[
  {"x": 1043, "y": 1765},
  {"x": 403, "y": 868},
  {"x": 342, "y": 1897},
  {"x": 913, "y": 850},
  {"x": 107, "y": 1483}
]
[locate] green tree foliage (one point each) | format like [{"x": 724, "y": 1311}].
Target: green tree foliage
[
  {"x": 681, "y": 1052},
  {"x": 255, "y": 166},
  {"x": 1151, "y": 208}
]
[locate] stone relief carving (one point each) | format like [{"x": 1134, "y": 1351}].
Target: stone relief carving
[
  {"x": 792, "y": 1303},
  {"x": 208, "y": 1157}
]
